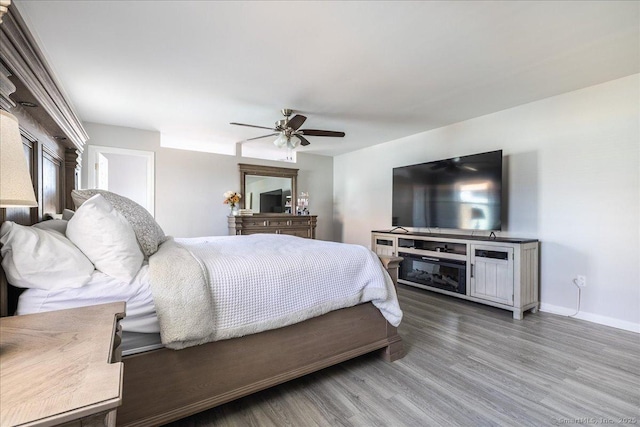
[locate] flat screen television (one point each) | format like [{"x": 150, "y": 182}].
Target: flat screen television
[{"x": 458, "y": 193}]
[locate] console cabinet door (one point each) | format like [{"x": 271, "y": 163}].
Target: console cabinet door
[{"x": 491, "y": 275}]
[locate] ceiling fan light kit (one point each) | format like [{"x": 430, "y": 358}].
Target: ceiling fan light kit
[
  {"x": 286, "y": 141},
  {"x": 289, "y": 132}
]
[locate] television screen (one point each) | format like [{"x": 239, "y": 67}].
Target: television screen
[{"x": 461, "y": 193}]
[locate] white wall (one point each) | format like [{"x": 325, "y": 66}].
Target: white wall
[
  {"x": 572, "y": 166},
  {"x": 189, "y": 185}
]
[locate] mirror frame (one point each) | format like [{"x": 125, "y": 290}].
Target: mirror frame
[{"x": 270, "y": 171}]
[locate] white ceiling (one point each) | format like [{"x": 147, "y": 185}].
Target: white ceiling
[{"x": 377, "y": 70}]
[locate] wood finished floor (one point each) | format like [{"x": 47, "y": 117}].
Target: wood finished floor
[{"x": 466, "y": 365}]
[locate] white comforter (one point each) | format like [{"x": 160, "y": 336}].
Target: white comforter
[{"x": 214, "y": 288}]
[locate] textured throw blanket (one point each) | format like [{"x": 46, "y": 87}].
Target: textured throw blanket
[{"x": 214, "y": 288}]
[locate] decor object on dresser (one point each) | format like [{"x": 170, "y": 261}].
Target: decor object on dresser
[
  {"x": 16, "y": 189},
  {"x": 501, "y": 272},
  {"x": 232, "y": 199},
  {"x": 245, "y": 212},
  {"x": 303, "y": 203},
  {"x": 289, "y": 132},
  {"x": 62, "y": 367}
]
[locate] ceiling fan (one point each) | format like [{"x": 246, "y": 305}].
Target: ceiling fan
[{"x": 289, "y": 132}]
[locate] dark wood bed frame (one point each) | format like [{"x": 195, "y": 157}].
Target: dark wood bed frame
[{"x": 165, "y": 385}]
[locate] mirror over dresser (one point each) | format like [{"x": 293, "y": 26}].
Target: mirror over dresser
[{"x": 269, "y": 193}]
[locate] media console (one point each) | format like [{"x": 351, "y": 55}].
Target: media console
[{"x": 501, "y": 272}]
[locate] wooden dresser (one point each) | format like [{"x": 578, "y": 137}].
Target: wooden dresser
[
  {"x": 300, "y": 225},
  {"x": 61, "y": 367}
]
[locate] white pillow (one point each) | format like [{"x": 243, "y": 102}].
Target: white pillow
[
  {"x": 106, "y": 238},
  {"x": 148, "y": 231},
  {"x": 42, "y": 259}
]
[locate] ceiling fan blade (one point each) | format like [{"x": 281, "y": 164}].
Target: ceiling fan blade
[
  {"x": 303, "y": 141},
  {"x": 296, "y": 121},
  {"x": 251, "y": 126},
  {"x": 263, "y": 136},
  {"x": 315, "y": 132}
]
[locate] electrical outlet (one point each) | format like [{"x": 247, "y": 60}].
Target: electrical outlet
[{"x": 581, "y": 281}]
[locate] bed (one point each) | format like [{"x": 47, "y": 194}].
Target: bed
[{"x": 162, "y": 384}]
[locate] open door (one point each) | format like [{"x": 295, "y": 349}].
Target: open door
[{"x": 129, "y": 173}]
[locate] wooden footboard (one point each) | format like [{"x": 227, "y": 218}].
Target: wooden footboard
[{"x": 165, "y": 385}]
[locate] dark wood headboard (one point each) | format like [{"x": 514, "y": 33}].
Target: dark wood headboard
[{"x": 52, "y": 134}]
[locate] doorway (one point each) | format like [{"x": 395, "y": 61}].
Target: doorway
[{"x": 129, "y": 173}]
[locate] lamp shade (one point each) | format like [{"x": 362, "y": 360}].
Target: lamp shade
[{"x": 16, "y": 189}]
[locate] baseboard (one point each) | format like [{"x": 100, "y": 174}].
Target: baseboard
[{"x": 590, "y": 317}]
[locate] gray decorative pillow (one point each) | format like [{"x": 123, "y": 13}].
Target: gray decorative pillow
[
  {"x": 148, "y": 232},
  {"x": 67, "y": 214}
]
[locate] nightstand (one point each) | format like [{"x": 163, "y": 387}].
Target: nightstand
[{"x": 61, "y": 367}]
